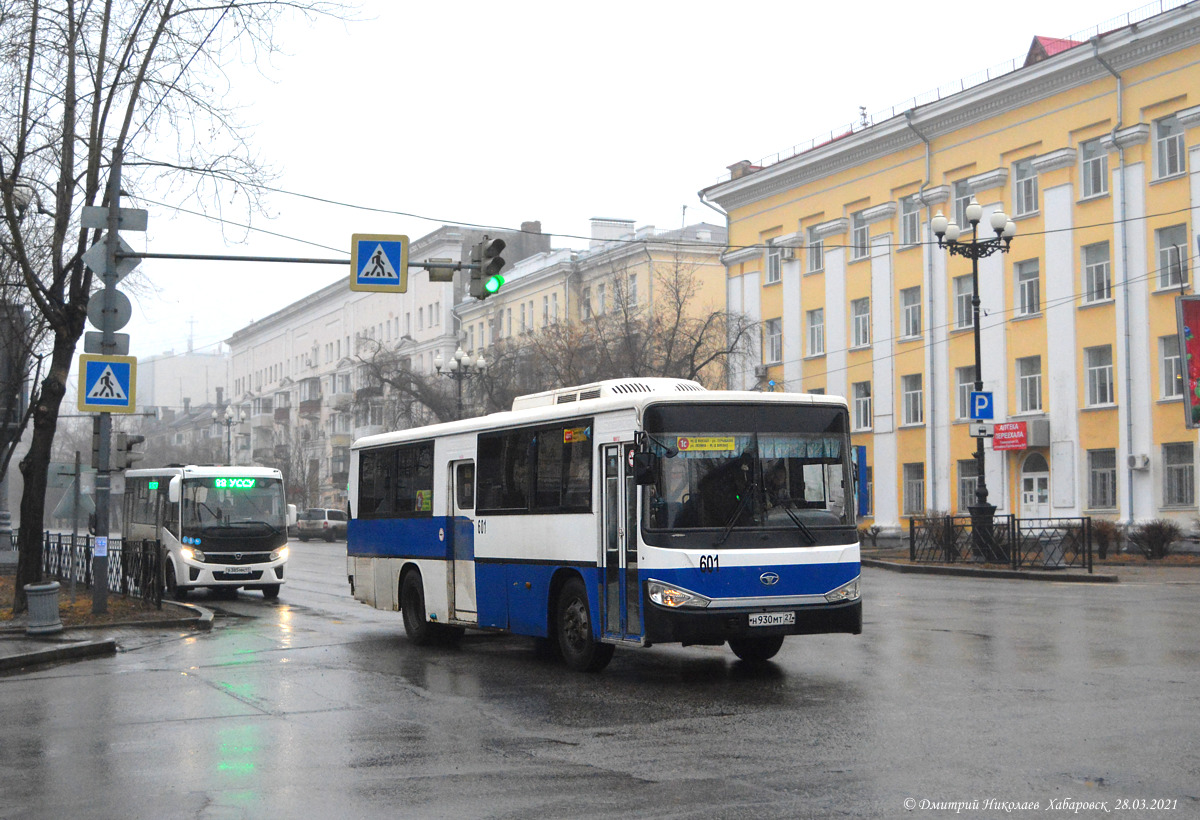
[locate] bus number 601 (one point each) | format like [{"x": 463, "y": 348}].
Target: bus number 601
[{"x": 709, "y": 563}]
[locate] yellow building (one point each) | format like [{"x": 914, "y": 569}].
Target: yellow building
[{"x": 1092, "y": 147}]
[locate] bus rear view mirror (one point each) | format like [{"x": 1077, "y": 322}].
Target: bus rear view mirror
[
  {"x": 174, "y": 489},
  {"x": 645, "y": 468}
]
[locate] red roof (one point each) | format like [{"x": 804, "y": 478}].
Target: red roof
[{"x": 1043, "y": 47}]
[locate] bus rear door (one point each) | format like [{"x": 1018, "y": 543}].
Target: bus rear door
[{"x": 460, "y": 531}]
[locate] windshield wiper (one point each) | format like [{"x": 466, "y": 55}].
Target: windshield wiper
[
  {"x": 737, "y": 513},
  {"x": 786, "y": 503}
]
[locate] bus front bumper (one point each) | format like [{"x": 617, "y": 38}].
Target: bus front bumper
[{"x": 716, "y": 626}]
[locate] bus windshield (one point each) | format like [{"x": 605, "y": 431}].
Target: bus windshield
[
  {"x": 229, "y": 505},
  {"x": 759, "y": 469}
]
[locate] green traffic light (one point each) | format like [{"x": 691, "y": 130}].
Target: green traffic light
[{"x": 493, "y": 283}]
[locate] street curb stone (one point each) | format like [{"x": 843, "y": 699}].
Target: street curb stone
[
  {"x": 975, "y": 572},
  {"x": 68, "y": 651}
]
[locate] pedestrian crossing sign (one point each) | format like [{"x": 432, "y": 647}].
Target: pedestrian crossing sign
[
  {"x": 379, "y": 263},
  {"x": 107, "y": 384}
]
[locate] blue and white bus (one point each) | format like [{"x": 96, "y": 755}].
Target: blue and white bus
[{"x": 622, "y": 513}]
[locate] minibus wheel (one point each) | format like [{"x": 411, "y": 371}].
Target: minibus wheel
[
  {"x": 573, "y": 623},
  {"x": 756, "y": 650}
]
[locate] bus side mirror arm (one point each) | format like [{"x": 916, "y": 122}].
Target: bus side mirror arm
[{"x": 645, "y": 468}]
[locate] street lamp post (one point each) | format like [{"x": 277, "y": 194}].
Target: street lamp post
[
  {"x": 947, "y": 233},
  {"x": 459, "y": 368},
  {"x": 228, "y": 420}
]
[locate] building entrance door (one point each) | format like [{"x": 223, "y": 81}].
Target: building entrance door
[{"x": 1035, "y": 487}]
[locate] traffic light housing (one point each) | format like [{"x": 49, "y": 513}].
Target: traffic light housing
[
  {"x": 486, "y": 264},
  {"x": 123, "y": 454}
]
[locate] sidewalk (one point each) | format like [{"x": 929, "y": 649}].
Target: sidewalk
[{"x": 19, "y": 650}]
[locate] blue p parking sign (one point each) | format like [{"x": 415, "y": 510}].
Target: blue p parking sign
[{"x": 981, "y": 405}]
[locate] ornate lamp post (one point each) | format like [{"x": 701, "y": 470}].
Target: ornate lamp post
[
  {"x": 459, "y": 367},
  {"x": 947, "y": 233},
  {"x": 229, "y": 419}
]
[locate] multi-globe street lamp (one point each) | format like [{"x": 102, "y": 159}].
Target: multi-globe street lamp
[
  {"x": 947, "y": 233},
  {"x": 459, "y": 368},
  {"x": 229, "y": 419}
]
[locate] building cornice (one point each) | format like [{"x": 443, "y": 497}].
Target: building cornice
[
  {"x": 741, "y": 255},
  {"x": 1054, "y": 160},
  {"x": 933, "y": 196},
  {"x": 988, "y": 180},
  {"x": 831, "y": 228},
  {"x": 1127, "y": 137},
  {"x": 879, "y": 213},
  {"x": 1189, "y": 117}
]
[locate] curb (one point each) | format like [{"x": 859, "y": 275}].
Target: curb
[
  {"x": 973, "y": 572},
  {"x": 198, "y": 617},
  {"x": 71, "y": 651}
]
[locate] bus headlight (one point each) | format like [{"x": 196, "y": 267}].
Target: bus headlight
[
  {"x": 192, "y": 554},
  {"x": 846, "y": 592},
  {"x": 669, "y": 596},
  {"x": 282, "y": 552}
]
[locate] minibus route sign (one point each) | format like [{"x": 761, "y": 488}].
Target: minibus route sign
[{"x": 233, "y": 483}]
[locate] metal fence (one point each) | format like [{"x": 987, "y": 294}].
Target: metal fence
[
  {"x": 134, "y": 567},
  {"x": 1041, "y": 543}
]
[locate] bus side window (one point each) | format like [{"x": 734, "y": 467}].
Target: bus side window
[{"x": 465, "y": 484}]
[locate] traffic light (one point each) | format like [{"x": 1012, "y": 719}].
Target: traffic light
[
  {"x": 487, "y": 264},
  {"x": 123, "y": 454}
]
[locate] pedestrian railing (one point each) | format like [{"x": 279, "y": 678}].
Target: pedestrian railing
[
  {"x": 1020, "y": 543},
  {"x": 134, "y": 567}
]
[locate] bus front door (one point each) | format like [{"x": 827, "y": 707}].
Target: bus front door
[
  {"x": 622, "y": 596},
  {"x": 461, "y": 534}
]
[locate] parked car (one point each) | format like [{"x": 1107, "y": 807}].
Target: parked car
[{"x": 321, "y": 523}]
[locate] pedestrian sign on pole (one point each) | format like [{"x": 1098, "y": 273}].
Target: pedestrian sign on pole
[
  {"x": 107, "y": 384},
  {"x": 379, "y": 263}
]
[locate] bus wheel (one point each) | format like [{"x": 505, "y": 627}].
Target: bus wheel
[
  {"x": 412, "y": 607},
  {"x": 756, "y": 650},
  {"x": 580, "y": 650},
  {"x": 271, "y": 591},
  {"x": 173, "y": 589}
]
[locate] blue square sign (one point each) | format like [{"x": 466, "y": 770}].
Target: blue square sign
[
  {"x": 379, "y": 263},
  {"x": 981, "y": 405},
  {"x": 107, "y": 384}
]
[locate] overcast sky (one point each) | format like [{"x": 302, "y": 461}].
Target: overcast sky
[{"x": 495, "y": 113}]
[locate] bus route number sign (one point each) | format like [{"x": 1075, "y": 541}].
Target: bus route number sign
[{"x": 233, "y": 483}]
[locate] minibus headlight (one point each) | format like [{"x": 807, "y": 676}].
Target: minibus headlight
[
  {"x": 674, "y": 597},
  {"x": 282, "y": 552},
  {"x": 846, "y": 592},
  {"x": 192, "y": 554}
]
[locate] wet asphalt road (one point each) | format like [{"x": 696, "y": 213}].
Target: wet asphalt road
[{"x": 316, "y": 706}]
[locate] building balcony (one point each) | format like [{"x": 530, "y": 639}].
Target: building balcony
[
  {"x": 263, "y": 455},
  {"x": 262, "y": 420},
  {"x": 310, "y": 407},
  {"x": 339, "y": 479},
  {"x": 340, "y": 439},
  {"x": 369, "y": 430},
  {"x": 283, "y": 415},
  {"x": 340, "y": 401},
  {"x": 368, "y": 392}
]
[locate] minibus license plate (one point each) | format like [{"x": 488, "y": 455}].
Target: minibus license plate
[
  {"x": 237, "y": 570},
  {"x": 772, "y": 618}
]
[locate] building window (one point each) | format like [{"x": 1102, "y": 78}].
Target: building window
[
  {"x": 965, "y": 377},
  {"x": 962, "y": 198},
  {"x": 524, "y": 327},
  {"x": 1168, "y": 147},
  {"x": 553, "y": 309},
  {"x": 816, "y": 332},
  {"x": 1098, "y": 364},
  {"x": 968, "y": 483},
  {"x": 910, "y": 312},
  {"x": 774, "y": 264},
  {"x": 860, "y": 316},
  {"x": 962, "y": 302},
  {"x": 910, "y": 221},
  {"x": 601, "y": 299},
  {"x": 860, "y": 237},
  {"x": 914, "y": 489},
  {"x": 1094, "y": 168},
  {"x": 1179, "y": 475},
  {"x": 862, "y": 405},
  {"x": 585, "y": 304},
  {"x": 1097, "y": 274},
  {"x": 1172, "y": 256},
  {"x": 914, "y": 404},
  {"x": 1029, "y": 292},
  {"x": 1102, "y": 479},
  {"x": 816, "y": 253},
  {"x": 1029, "y": 384},
  {"x": 631, "y": 294},
  {"x": 1025, "y": 188},
  {"x": 773, "y": 333},
  {"x": 1170, "y": 367}
]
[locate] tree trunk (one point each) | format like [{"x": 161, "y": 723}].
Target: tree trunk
[{"x": 35, "y": 468}]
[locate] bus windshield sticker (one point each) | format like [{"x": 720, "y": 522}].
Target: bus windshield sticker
[
  {"x": 572, "y": 434},
  {"x": 705, "y": 443}
]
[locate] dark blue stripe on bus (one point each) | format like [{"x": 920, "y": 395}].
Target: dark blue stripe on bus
[
  {"x": 408, "y": 537},
  {"x": 746, "y": 582}
]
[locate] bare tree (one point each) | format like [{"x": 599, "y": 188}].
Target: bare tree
[{"x": 78, "y": 81}]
